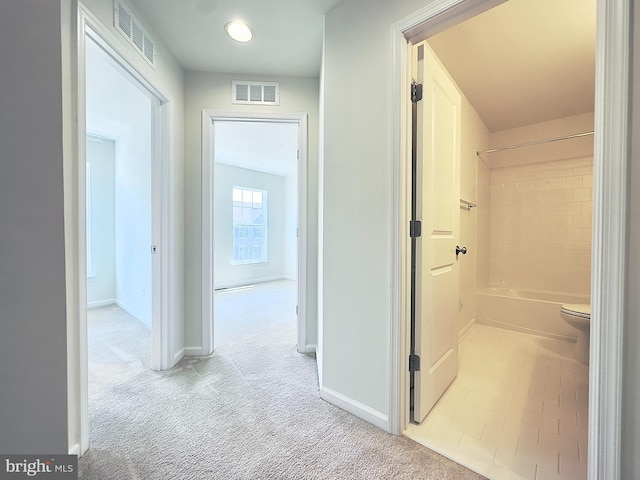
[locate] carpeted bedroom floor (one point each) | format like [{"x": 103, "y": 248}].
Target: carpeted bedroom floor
[{"x": 250, "y": 411}]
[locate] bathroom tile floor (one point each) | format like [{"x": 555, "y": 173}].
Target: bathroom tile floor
[{"x": 518, "y": 408}]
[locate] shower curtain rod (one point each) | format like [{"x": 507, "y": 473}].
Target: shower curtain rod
[{"x": 537, "y": 142}]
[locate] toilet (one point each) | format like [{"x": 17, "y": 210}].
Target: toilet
[{"x": 579, "y": 317}]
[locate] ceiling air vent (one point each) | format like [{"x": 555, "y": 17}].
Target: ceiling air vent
[
  {"x": 255, "y": 93},
  {"x": 127, "y": 24}
]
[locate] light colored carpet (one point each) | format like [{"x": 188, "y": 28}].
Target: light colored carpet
[
  {"x": 253, "y": 311},
  {"x": 250, "y": 411}
]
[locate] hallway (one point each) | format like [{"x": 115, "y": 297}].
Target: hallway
[{"x": 250, "y": 410}]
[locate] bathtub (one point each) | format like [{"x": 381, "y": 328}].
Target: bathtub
[{"x": 526, "y": 311}]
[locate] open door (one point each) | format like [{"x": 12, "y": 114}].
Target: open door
[{"x": 434, "y": 231}]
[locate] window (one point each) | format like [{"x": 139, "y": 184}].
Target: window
[{"x": 249, "y": 225}]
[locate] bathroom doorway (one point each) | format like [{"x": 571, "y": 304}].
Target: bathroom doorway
[{"x": 478, "y": 145}]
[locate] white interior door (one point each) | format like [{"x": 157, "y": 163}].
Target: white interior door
[{"x": 437, "y": 207}]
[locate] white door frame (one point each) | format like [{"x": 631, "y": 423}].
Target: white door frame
[
  {"x": 208, "y": 158},
  {"x": 609, "y": 217},
  {"x": 90, "y": 27}
]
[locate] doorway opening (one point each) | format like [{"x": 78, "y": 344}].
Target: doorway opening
[
  {"x": 255, "y": 222},
  {"x": 603, "y": 377},
  {"x": 119, "y": 212},
  {"x": 122, "y": 155},
  {"x": 118, "y": 313},
  {"x": 255, "y": 213},
  {"x": 524, "y": 412}
]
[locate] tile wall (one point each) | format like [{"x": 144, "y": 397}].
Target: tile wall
[
  {"x": 483, "y": 264},
  {"x": 540, "y": 226}
]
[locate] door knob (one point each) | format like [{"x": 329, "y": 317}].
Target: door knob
[{"x": 460, "y": 250}]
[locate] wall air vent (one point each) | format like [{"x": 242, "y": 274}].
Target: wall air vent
[
  {"x": 127, "y": 24},
  {"x": 255, "y": 93}
]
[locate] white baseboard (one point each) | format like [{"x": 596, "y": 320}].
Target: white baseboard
[
  {"x": 192, "y": 351},
  {"x": 308, "y": 349},
  {"x": 178, "y": 356},
  {"x": 356, "y": 408},
  {"x": 101, "y": 303},
  {"x": 74, "y": 449},
  {"x": 252, "y": 281},
  {"x": 466, "y": 330}
]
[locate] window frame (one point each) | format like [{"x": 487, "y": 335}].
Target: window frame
[{"x": 264, "y": 226}]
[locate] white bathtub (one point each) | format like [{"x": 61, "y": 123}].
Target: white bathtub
[{"x": 526, "y": 311}]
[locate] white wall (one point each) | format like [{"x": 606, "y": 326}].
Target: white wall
[
  {"x": 228, "y": 274},
  {"x": 290, "y": 227},
  {"x": 116, "y": 108},
  {"x": 33, "y": 353},
  {"x": 101, "y": 282},
  {"x": 213, "y": 91},
  {"x": 134, "y": 216}
]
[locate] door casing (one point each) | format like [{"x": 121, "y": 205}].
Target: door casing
[{"x": 208, "y": 156}]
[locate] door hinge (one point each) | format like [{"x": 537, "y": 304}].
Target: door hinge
[
  {"x": 416, "y": 92},
  {"x": 297, "y": 310},
  {"x": 414, "y": 363},
  {"x": 154, "y": 249},
  {"x": 415, "y": 228}
]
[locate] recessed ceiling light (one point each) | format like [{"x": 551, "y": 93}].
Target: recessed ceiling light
[{"x": 240, "y": 32}]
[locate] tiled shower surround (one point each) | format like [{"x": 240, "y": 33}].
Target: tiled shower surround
[{"x": 540, "y": 226}]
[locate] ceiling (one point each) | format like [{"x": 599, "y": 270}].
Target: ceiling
[
  {"x": 288, "y": 34},
  {"x": 524, "y": 61},
  {"x": 260, "y": 146}
]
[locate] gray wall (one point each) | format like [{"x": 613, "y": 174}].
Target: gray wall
[
  {"x": 33, "y": 353},
  {"x": 630, "y": 444},
  {"x": 357, "y": 198}
]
